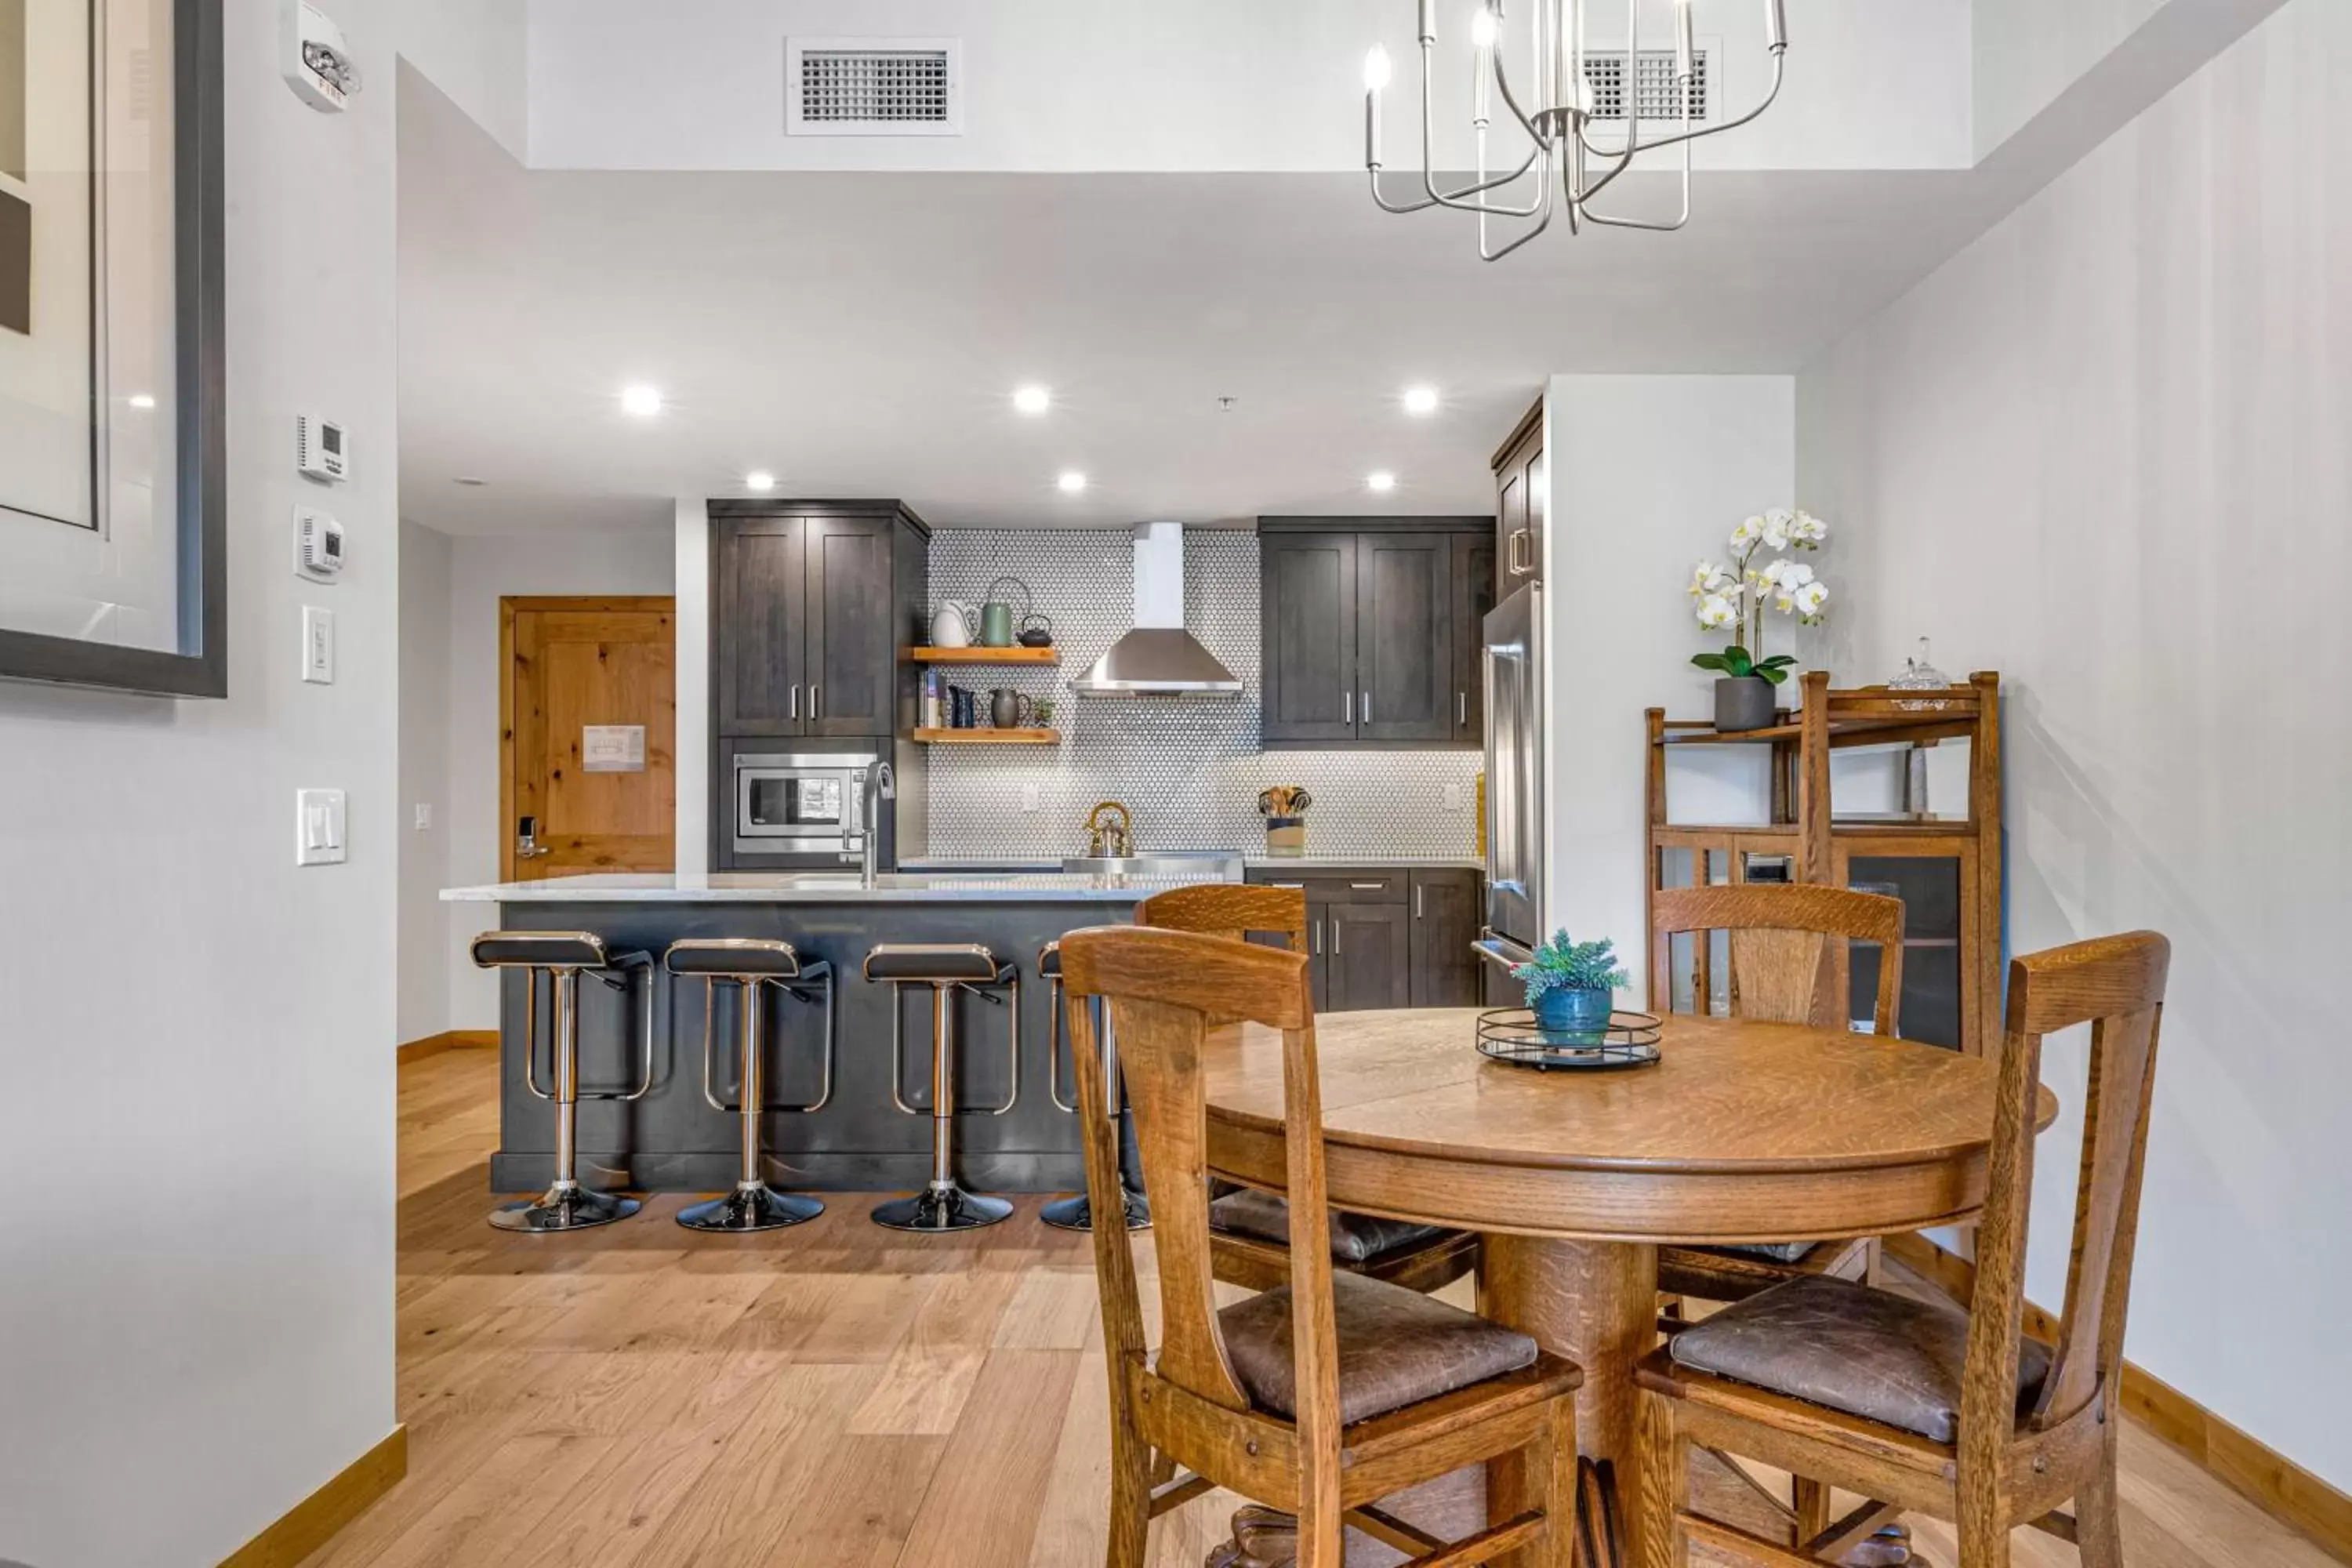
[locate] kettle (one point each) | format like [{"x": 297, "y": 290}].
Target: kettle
[{"x": 951, "y": 624}]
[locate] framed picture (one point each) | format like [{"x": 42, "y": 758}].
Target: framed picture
[{"x": 113, "y": 457}]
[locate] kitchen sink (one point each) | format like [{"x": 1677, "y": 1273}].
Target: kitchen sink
[{"x": 1206, "y": 865}]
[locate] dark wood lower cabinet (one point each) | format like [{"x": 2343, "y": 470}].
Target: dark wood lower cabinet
[
  {"x": 1386, "y": 936},
  {"x": 1368, "y": 955},
  {"x": 1446, "y": 972}
]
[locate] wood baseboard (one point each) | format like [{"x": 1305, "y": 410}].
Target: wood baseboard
[
  {"x": 313, "y": 1522},
  {"x": 2261, "y": 1474},
  {"x": 449, "y": 1040}
]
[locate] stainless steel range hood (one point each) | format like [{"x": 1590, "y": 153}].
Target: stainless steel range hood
[{"x": 1159, "y": 657}]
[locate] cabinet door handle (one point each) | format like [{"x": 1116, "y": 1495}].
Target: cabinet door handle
[
  {"x": 1335, "y": 936},
  {"x": 812, "y": 690},
  {"x": 1417, "y": 892},
  {"x": 1347, "y": 707},
  {"x": 1367, "y": 707},
  {"x": 1318, "y": 937},
  {"x": 1370, "y": 887},
  {"x": 796, "y": 701},
  {"x": 1462, "y": 708}
]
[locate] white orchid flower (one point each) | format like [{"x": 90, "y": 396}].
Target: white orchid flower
[
  {"x": 1775, "y": 528},
  {"x": 1707, "y": 577},
  {"x": 1808, "y": 528},
  {"x": 1747, "y": 533},
  {"x": 1809, "y": 600},
  {"x": 1715, "y": 612}
]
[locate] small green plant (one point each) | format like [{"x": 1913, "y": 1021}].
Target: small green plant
[
  {"x": 1561, "y": 964},
  {"x": 1735, "y": 661}
]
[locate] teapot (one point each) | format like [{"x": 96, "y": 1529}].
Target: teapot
[{"x": 951, "y": 624}]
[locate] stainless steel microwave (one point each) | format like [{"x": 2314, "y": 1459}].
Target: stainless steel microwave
[{"x": 801, "y": 802}]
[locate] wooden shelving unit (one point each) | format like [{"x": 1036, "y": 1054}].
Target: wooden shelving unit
[
  {"x": 1947, "y": 869},
  {"x": 1013, "y": 654},
  {"x": 988, "y": 737}
]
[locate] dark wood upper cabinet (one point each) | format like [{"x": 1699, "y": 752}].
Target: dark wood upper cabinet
[
  {"x": 1474, "y": 597},
  {"x": 1520, "y": 504},
  {"x": 1446, "y": 972},
  {"x": 760, "y": 575},
  {"x": 1307, "y": 598},
  {"x": 1368, "y": 632},
  {"x": 852, "y": 651},
  {"x": 1404, "y": 632}
]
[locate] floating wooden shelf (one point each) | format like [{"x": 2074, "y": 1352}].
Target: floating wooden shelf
[
  {"x": 1013, "y": 654},
  {"x": 988, "y": 737}
]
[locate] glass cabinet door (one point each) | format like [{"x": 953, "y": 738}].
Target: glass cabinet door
[{"x": 1929, "y": 886}]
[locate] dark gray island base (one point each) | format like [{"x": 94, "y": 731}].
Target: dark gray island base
[{"x": 673, "y": 1140}]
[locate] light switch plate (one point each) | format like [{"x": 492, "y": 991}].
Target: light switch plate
[
  {"x": 1454, "y": 797},
  {"x": 1028, "y": 797},
  {"x": 319, "y": 822},
  {"x": 423, "y": 817},
  {"x": 317, "y": 645}
]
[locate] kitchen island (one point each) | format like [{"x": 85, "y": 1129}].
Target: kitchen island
[{"x": 673, "y": 1140}]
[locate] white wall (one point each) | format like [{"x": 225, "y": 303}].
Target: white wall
[
  {"x": 2029, "y": 52},
  {"x": 179, "y": 1005},
  {"x": 691, "y": 571},
  {"x": 423, "y": 967},
  {"x": 482, "y": 570},
  {"x": 1647, "y": 473},
  {"x": 1213, "y": 85},
  {"x": 473, "y": 50},
  {"x": 2103, "y": 450}
]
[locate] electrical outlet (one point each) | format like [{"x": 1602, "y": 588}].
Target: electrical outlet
[
  {"x": 1028, "y": 797},
  {"x": 1454, "y": 797},
  {"x": 423, "y": 819}
]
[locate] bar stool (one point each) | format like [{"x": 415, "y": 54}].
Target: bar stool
[
  {"x": 1077, "y": 1213},
  {"x": 751, "y": 964},
  {"x": 563, "y": 956},
  {"x": 946, "y": 968}
]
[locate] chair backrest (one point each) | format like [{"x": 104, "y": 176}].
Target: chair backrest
[
  {"x": 1782, "y": 953},
  {"x": 1166, "y": 990},
  {"x": 2116, "y": 984},
  {"x": 1230, "y": 909}
]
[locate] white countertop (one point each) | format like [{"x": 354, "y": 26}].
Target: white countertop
[
  {"x": 822, "y": 887},
  {"x": 1033, "y": 865}
]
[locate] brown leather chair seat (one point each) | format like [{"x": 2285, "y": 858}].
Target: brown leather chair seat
[
  {"x": 1396, "y": 1347},
  {"x": 1866, "y": 1352},
  {"x": 1355, "y": 1237}
]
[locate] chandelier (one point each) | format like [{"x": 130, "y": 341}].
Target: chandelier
[{"x": 1557, "y": 117}]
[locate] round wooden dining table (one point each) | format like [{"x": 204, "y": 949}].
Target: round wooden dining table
[{"x": 1741, "y": 1133}]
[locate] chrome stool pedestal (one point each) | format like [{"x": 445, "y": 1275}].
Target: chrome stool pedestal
[
  {"x": 946, "y": 968},
  {"x": 563, "y": 956},
  {"x": 1077, "y": 1213},
  {"x": 751, "y": 964}
]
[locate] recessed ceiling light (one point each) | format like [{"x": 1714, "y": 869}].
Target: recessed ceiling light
[
  {"x": 1072, "y": 481},
  {"x": 761, "y": 480},
  {"x": 1032, "y": 399},
  {"x": 143, "y": 400},
  {"x": 1382, "y": 481},
  {"x": 472, "y": 481},
  {"x": 1420, "y": 400},
  {"x": 645, "y": 402}
]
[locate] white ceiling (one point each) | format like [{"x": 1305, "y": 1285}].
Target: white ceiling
[{"x": 861, "y": 334}]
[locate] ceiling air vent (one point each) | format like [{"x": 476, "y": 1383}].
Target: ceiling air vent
[
  {"x": 873, "y": 87},
  {"x": 1656, "y": 94}
]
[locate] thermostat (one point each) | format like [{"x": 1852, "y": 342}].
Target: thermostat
[
  {"x": 318, "y": 544},
  {"x": 321, "y": 450}
]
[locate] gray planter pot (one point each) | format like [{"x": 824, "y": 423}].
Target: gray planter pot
[{"x": 1742, "y": 702}]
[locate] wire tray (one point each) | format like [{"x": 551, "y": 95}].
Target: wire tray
[{"x": 1512, "y": 1034}]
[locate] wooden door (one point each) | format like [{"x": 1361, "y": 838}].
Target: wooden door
[
  {"x": 852, "y": 636},
  {"x": 1368, "y": 955},
  {"x": 1474, "y": 597},
  {"x": 1445, "y": 924},
  {"x": 1309, "y": 586},
  {"x": 588, "y": 715},
  {"x": 758, "y": 593},
  {"x": 1404, "y": 639}
]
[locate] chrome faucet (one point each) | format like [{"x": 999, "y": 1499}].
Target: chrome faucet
[{"x": 881, "y": 784}]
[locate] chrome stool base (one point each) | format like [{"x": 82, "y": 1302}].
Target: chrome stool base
[
  {"x": 755, "y": 1207},
  {"x": 1077, "y": 1213},
  {"x": 940, "y": 1209},
  {"x": 564, "y": 1208}
]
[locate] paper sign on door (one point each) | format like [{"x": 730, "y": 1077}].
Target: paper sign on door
[{"x": 612, "y": 747}]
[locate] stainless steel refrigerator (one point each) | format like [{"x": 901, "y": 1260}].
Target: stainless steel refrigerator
[{"x": 1516, "y": 716}]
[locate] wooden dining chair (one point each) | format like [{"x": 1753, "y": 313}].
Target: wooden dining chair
[
  {"x": 1330, "y": 1392},
  {"x": 1917, "y": 1406},
  {"x": 1250, "y": 1241},
  {"x": 1782, "y": 939}
]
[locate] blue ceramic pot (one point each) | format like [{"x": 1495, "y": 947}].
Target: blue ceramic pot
[{"x": 1574, "y": 1018}]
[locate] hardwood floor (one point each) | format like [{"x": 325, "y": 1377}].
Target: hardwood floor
[{"x": 832, "y": 1394}]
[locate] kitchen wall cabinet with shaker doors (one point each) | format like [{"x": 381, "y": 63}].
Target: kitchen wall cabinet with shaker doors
[
  {"x": 1521, "y": 503},
  {"x": 1370, "y": 630},
  {"x": 1386, "y": 936}
]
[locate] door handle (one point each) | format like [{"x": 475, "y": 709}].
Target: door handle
[
  {"x": 1347, "y": 707},
  {"x": 1462, "y": 708},
  {"x": 1318, "y": 937},
  {"x": 796, "y": 701},
  {"x": 1367, "y": 707},
  {"x": 527, "y": 844},
  {"x": 813, "y": 699},
  {"x": 1417, "y": 892},
  {"x": 1335, "y": 936}
]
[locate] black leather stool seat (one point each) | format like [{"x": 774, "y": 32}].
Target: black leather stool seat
[
  {"x": 1852, "y": 1347},
  {"x": 556, "y": 949},
  {"x": 1049, "y": 959},
  {"x": 939, "y": 963},
  {"x": 731, "y": 955}
]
